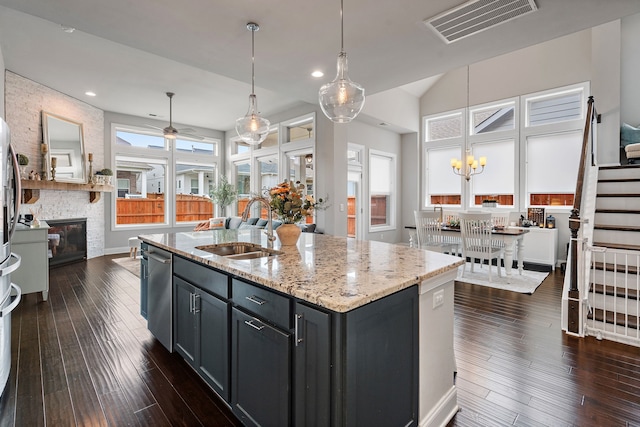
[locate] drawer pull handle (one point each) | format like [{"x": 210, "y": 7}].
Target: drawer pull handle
[
  {"x": 298, "y": 329},
  {"x": 253, "y": 325},
  {"x": 256, "y": 300},
  {"x": 196, "y": 303}
]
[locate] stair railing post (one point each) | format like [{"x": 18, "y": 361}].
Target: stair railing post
[{"x": 573, "y": 297}]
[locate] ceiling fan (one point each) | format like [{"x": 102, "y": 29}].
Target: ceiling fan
[{"x": 172, "y": 133}]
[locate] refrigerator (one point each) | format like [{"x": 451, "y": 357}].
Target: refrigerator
[{"x": 10, "y": 293}]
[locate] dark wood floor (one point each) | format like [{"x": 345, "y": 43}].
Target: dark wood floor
[{"x": 86, "y": 358}]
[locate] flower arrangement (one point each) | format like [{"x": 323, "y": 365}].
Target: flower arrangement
[{"x": 290, "y": 204}]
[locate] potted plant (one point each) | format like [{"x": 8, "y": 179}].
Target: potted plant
[
  {"x": 23, "y": 161},
  {"x": 223, "y": 194},
  {"x": 103, "y": 176}
]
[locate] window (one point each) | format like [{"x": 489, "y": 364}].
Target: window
[
  {"x": 532, "y": 144},
  {"x": 439, "y": 190},
  {"x": 444, "y": 127},
  {"x": 193, "y": 191},
  {"x": 552, "y": 140},
  {"x": 496, "y": 182},
  {"x": 300, "y": 129},
  {"x": 493, "y": 118},
  {"x": 140, "y": 140},
  {"x": 444, "y": 141},
  {"x": 146, "y": 166},
  {"x": 382, "y": 187},
  {"x": 552, "y": 168},
  {"x": 555, "y": 107},
  {"x": 242, "y": 173},
  {"x": 144, "y": 200}
]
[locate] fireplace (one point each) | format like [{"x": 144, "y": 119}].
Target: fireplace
[{"x": 67, "y": 241}]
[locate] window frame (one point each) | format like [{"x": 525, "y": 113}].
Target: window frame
[
  {"x": 171, "y": 156},
  {"x": 392, "y": 196}
]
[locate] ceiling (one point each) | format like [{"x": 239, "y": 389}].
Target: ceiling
[{"x": 131, "y": 52}]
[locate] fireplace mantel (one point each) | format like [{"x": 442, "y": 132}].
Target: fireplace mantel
[{"x": 31, "y": 189}]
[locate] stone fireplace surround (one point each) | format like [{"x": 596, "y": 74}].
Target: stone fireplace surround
[{"x": 24, "y": 102}]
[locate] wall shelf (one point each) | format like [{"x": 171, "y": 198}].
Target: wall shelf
[{"x": 31, "y": 189}]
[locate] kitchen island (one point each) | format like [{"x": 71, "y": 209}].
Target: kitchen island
[{"x": 333, "y": 331}]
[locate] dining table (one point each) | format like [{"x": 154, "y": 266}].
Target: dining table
[{"x": 511, "y": 237}]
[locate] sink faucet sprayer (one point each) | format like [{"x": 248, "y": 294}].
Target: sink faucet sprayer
[{"x": 245, "y": 215}]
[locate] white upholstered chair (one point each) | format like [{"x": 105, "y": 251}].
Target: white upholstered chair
[
  {"x": 429, "y": 233},
  {"x": 475, "y": 229}
]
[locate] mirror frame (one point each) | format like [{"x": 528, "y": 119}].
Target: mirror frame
[{"x": 46, "y": 138}]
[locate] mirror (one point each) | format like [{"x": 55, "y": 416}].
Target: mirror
[{"x": 66, "y": 143}]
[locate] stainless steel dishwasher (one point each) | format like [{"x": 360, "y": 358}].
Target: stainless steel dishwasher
[{"x": 159, "y": 296}]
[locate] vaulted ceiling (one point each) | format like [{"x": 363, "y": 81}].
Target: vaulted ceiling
[{"x": 131, "y": 52}]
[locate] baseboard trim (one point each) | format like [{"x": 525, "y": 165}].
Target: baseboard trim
[{"x": 443, "y": 411}]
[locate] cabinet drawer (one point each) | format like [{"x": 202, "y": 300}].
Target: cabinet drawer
[
  {"x": 203, "y": 277},
  {"x": 263, "y": 302}
]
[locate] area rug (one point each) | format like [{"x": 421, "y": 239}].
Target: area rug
[
  {"x": 525, "y": 283},
  {"x": 133, "y": 265}
]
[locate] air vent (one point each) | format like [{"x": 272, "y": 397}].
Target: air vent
[{"x": 477, "y": 15}]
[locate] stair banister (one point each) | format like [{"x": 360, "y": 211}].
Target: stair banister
[{"x": 573, "y": 312}]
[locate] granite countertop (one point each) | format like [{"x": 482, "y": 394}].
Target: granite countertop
[{"x": 337, "y": 273}]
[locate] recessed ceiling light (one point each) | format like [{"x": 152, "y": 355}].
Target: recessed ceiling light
[
  {"x": 68, "y": 29},
  {"x": 317, "y": 74},
  {"x": 89, "y": 93}
]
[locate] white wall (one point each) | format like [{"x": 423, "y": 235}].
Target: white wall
[
  {"x": 629, "y": 70},
  {"x": 25, "y": 100}
]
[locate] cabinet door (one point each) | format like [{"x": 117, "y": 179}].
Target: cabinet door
[
  {"x": 261, "y": 386},
  {"x": 185, "y": 320},
  {"x": 312, "y": 352},
  {"x": 213, "y": 339}
]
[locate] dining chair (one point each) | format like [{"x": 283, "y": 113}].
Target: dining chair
[
  {"x": 428, "y": 230},
  {"x": 499, "y": 220},
  {"x": 475, "y": 229}
]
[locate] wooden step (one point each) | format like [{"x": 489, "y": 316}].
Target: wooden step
[
  {"x": 598, "y": 314},
  {"x": 617, "y": 246},
  {"x": 631, "y": 195},
  {"x": 618, "y": 167},
  {"x": 618, "y": 211},
  {"x": 619, "y": 292},
  {"x": 619, "y": 180},
  {"x": 632, "y": 228}
]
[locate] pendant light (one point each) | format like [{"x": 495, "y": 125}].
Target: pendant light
[
  {"x": 252, "y": 128},
  {"x": 341, "y": 100}
]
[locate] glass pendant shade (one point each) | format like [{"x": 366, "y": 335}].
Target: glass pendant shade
[
  {"x": 341, "y": 100},
  {"x": 252, "y": 128}
]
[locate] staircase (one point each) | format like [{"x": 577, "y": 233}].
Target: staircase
[{"x": 614, "y": 281}]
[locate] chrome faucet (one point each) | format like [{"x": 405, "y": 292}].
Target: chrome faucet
[{"x": 245, "y": 215}]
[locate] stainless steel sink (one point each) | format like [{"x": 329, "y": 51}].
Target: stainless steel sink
[{"x": 239, "y": 250}]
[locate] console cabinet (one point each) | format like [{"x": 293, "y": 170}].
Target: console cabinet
[
  {"x": 32, "y": 244},
  {"x": 540, "y": 246}
]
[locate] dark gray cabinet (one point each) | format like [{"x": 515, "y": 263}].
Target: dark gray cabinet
[
  {"x": 201, "y": 323},
  {"x": 312, "y": 361},
  {"x": 279, "y": 361},
  {"x": 261, "y": 373},
  {"x": 185, "y": 320}
]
